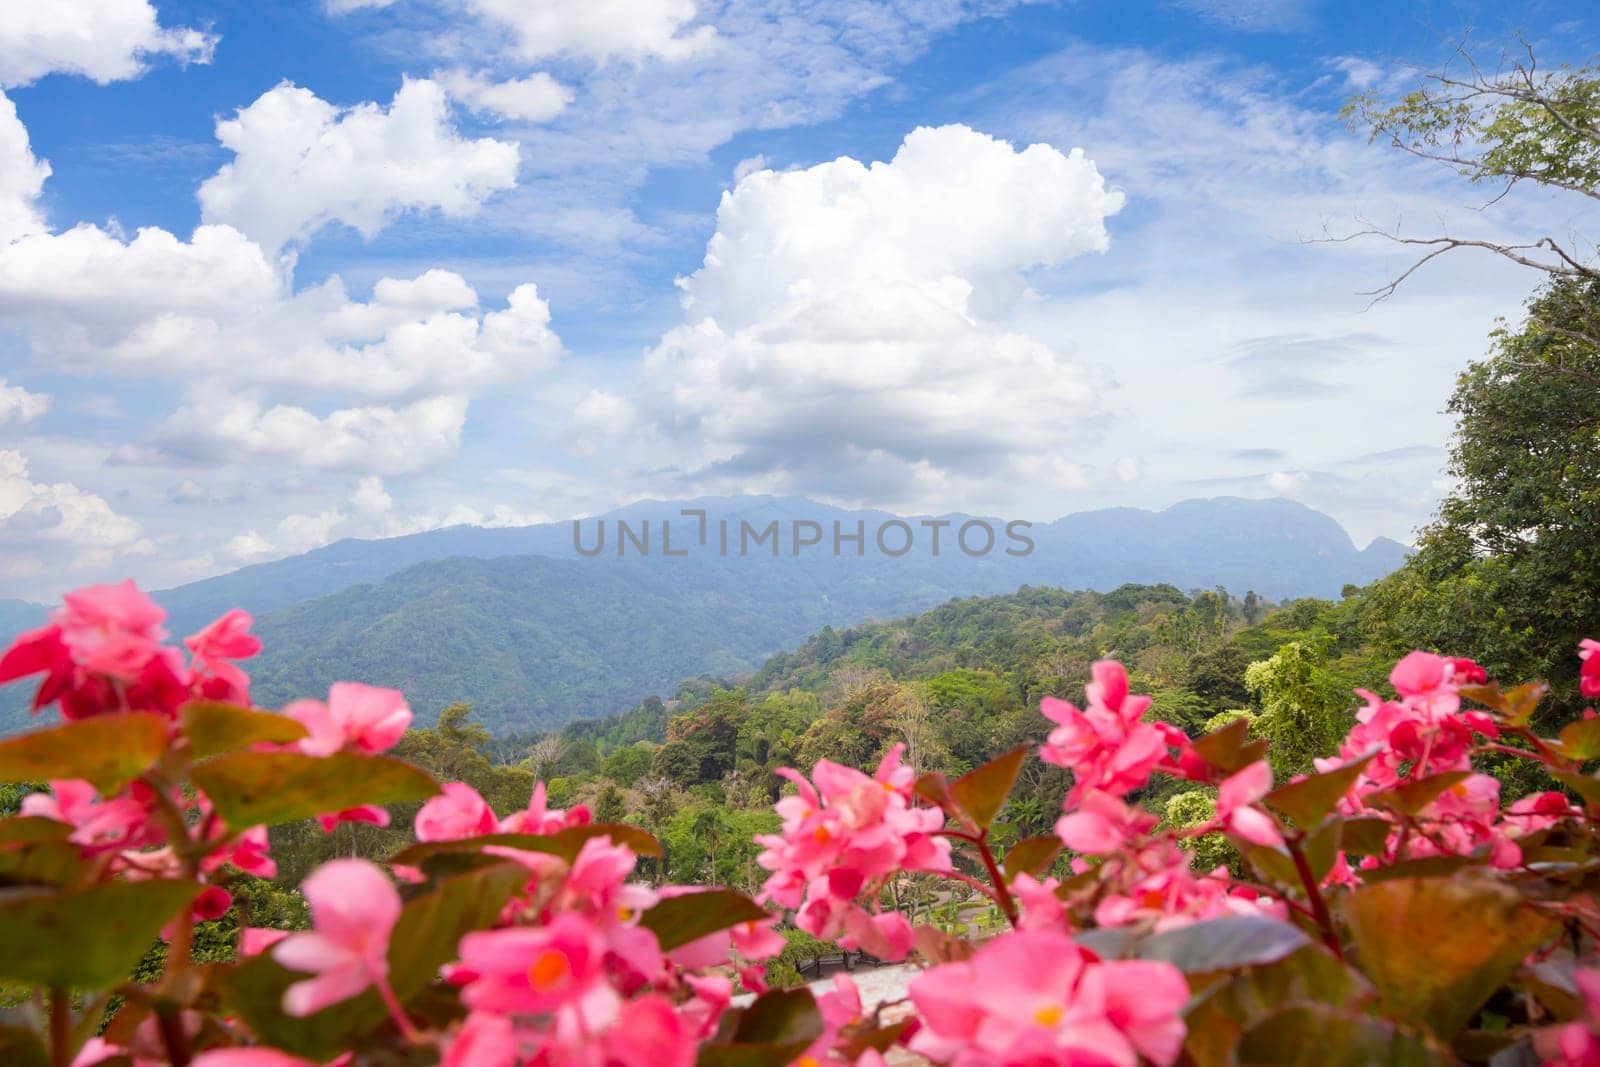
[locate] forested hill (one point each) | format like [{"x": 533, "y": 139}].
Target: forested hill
[
  {"x": 535, "y": 636},
  {"x": 963, "y": 680}
]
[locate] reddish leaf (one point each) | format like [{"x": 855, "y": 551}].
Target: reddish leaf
[
  {"x": 1032, "y": 855},
  {"x": 214, "y": 728},
  {"x": 676, "y": 921},
  {"x": 108, "y": 751},
  {"x": 1229, "y": 749},
  {"x": 1580, "y": 740},
  {"x": 981, "y": 793},
  {"x": 256, "y": 788},
  {"x": 1313, "y": 797},
  {"x": 1412, "y": 797}
]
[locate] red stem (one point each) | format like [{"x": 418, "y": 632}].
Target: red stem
[{"x": 1319, "y": 907}]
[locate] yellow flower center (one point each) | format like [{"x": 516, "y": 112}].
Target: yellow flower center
[
  {"x": 807, "y": 1061},
  {"x": 1048, "y": 1015},
  {"x": 624, "y": 913},
  {"x": 549, "y": 971}
]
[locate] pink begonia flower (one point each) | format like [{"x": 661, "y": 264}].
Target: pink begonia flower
[
  {"x": 843, "y": 836},
  {"x": 353, "y": 911},
  {"x": 1035, "y": 996},
  {"x": 456, "y": 814},
  {"x": 253, "y": 1057},
  {"x": 112, "y": 630},
  {"x": 212, "y": 903},
  {"x": 1103, "y": 824},
  {"x": 39, "y": 651},
  {"x": 254, "y": 940},
  {"x": 1041, "y": 908},
  {"x": 1575, "y": 1044},
  {"x": 1105, "y": 745},
  {"x": 1589, "y": 672},
  {"x": 362, "y": 717},
  {"x": 367, "y": 813},
  {"x": 248, "y": 852},
  {"x": 650, "y": 1033},
  {"x": 484, "y": 1040},
  {"x": 755, "y": 940},
  {"x": 1539, "y": 811},
  {"x": 228, "y": 638},
  {"x": 114, "y": 825},
  {"x": 541, "y": 970},
  {"x": 1236, "y": 798},
  {"x": 538, "y": 818}
]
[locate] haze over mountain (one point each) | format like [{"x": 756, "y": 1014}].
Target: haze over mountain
[{"x": 536, "y": 633}]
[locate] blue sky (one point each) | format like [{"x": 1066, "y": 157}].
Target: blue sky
[{"x": 307, "y": 270}]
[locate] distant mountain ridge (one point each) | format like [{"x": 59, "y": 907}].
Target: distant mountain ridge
[{"x": 535, "y": 633}]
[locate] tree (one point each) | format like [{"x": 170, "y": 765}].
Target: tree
[
  {"x": 1304, "y": 709},
  {"x": 1509, "y": 572},
  {"x": 1500, "y": 128}
]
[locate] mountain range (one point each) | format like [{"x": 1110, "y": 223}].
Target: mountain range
[{"x": 538, "y": 625}]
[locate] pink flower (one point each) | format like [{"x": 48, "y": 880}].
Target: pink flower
[
  {"x": 1103, "y": 824},
  {"x": 1236, "y": 800},
  {"x": 254, "y": 940},
  {"x": 356, "y": 716},
  {"x": 1539, "y": 811},
  {"x": 484, "y": 1040},
  {"x": 1589, "y": 679},
  {"x": 1035, "y": 996},
  {"x": 353, "y": 911},
  {"x": 114, "y": 825},
  {"x": 539, "y": 819},
  {"x": 1105, "y": 746},
  {"x": 454, "y": 815},
  {"x": 248, "y": 852},
  {"x": 110, "y": 629},
  {"x": 371, "y": 814},
  {"x": 844, "y": 837},
  {"x": 1575, "y": 1044},
  {"x": 540, "y": 971},
  {"x": 227, "y": 638},
  {"x": 650, "y": 1034},
  {"x": 249, "y": 1057}
]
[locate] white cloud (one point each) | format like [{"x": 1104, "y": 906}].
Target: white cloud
[
  {"x": 344, "y": 7},
  {"x": 17, "y": 405},
  {"x": 599, "y": 29},
  {"x": 213, "y": 307},
  {"x": 536, "y": 98},
  {"x": 302, "y": 163},
  {"x": 848, "y": 333},
  {"x": 35, "y": 515},
  {"x": 21, "y": 177},
  {"x": 104, "y": 40},
  {"x": 385, "y": 440}
]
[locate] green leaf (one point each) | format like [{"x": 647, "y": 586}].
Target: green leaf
[
  {"x": 1586, "y": 786},
  {"x": 678, "y": 920},
  {"x": 1316, "y": 1035},
  {"x": 780, "y": 1015},
  {"x": 30, "y": 829},
  {"x": 214, "y": 728},
  {"x": 778, "y": 1026},
  {"x": 108, "y": 751},
  {"x": 1032, "y": 855},
  {"x": 1366, "y": 836},
  {"x": 981, "y": 793},
  {"x": 255, "y": 788},
  {"x": 1516, "y": 705},
  {"x": 1228, "y": 1004},
  {"x": 424, "y": 939},
  {"x": 1580, "y": 740},
  {"x": 20, "y": 1047},
  {"x": 1228, "y": 749},
  {"x": 1219, "y": 944},
  {"x": 45, "y": 863},
  {"x": 86, "y": 938},
  {"x": 1412, "y": 797},
  {"x": 565, "y": 843},
  {"x": 1309, "y": 800},
  {"x": 1437, "y": 948}
]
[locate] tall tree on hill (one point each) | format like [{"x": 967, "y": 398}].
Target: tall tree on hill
[{"x": 1509, "y": 572}]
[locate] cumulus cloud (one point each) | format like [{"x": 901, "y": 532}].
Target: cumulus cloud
[
  {"x": 847, "y": 333},
  {"x": 598, "y": 29},
  {"x": 214, "y": 307},
  {"x": 40, "y": 521},
  {"x": 21, "y": 177},
  {"x": 536, "y": 98},
  {"x": 17, "y": 405},
  {"x": 104, "y": 40},
  {"x": 301, "y": 163},
  {"x": 386, "y": 440}
]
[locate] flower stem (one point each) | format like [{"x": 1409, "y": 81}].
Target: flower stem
[
  {"x": 1001, "y": 891},
  {"x": 1319, "y": 906},
  {"x": 396, "y": 1012},
  {"x": 60, "y": 1027}
]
